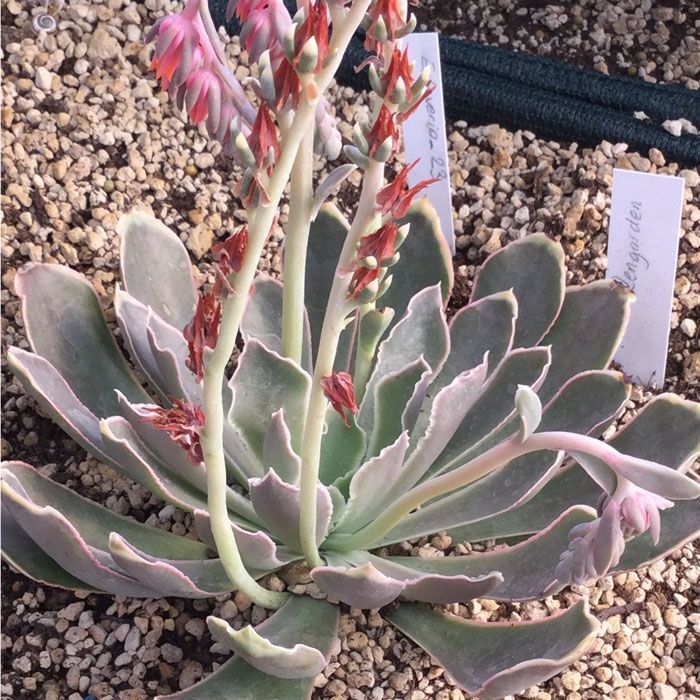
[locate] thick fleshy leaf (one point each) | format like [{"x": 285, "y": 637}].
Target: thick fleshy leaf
[
  {"x": 278, "y": 454},
  {"x": 42, "y": 380},
  {"x": 527, "y": 567},
  {"x": 299, "y": 661},
  {"x": 370, "y": 484},
  {"x": 171, "y": 458},
  {"x": 533, "y": 267},
  {"x": 496, "y": 403},
  {"x": 257, "y": 549},
  {"x": 326, "y": 237},
  {"x": 494, "y": 659},
  {"x": 138, "y": 464},
  {"x": 358, "y": 586},
  {"x": 65, "y": 325},
  {"x": 677, "y": 420},
  {"x": 425, "y": 259},
  {"x": 586, "y": 404},
  {"x": 329, "y": 184},
  {"x": 55, "y": 534},
  {"x": 392, "y": 393},
  {"x": 342, "y": 448},
  {"x": 158, "y": 349},
  {"x": 24, "y": 554},
  {"x": 156, "y": 268},
  {"x": 434, "y": 586},
  {"x": 435, "y": 428},
  {"x": 422, "y": 332},
  {"x": 95, "y": 523},
  {"x": 277, "y": 504},
  {"x": 301, "y": 620},
  {"x": 263, "y": 383},
  {"x": 372, "y": 582},
  {"x": 587, "y": 331},
  {"x": 189, "y": 578},
  {"x": 529, "y": 408},
  {"x": 486, "y": 325},
  {"x": 262, "y": 319}
]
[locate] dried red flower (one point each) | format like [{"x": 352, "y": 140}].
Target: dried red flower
[
  {"x": 264, "y": 137},
  {"x": 287, "y": 84},
  {"x": 229, "y": 255},
  {"x": 231, "y": 252},
  {"x": 362, "y": 277},
  {"x": 393, "y": 12},
  {"x": 399, "y": 67},
  {"x": 202, "y": 332},
  {"x": 395, "y": 198},
  {"x": 384, "y": 126},
  {"x": 338, "y": 389},
  {"x": 183, "y": 422},
  {"x": 314, "y": 26},
  {"x": 426, "y": 93},
  {"x": 380, "y": 244}
]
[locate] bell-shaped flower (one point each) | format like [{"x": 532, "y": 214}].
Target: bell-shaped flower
[
  {"x": 182, "y": 44},
  {"x": 203, "y": 96},
  {"x": 597, "y": 546}
]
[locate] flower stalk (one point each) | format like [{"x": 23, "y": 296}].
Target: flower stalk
[{"x": 232, "y": 314}]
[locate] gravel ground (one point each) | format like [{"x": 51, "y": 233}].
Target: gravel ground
[{"x": 88, "y": 136}]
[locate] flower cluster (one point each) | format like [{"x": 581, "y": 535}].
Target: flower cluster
[
  {"x": 188, "y": 64},
  {"x": 595, "y": 547}
]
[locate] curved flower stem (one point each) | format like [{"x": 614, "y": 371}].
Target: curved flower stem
[
  {"x": 333, "y": 324},
  {"x": 232, "y": 313},
  {"x": 479, "y": 467},
  {"x": 296, "y": 239}
]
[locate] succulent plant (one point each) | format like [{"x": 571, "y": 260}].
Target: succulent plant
[
  {"x": 526, "y": 359},
  {"x": 356, "y": 417}
]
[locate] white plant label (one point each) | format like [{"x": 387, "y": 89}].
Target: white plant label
[
  {"x": 425, "y": 135},
  {"x": 645, "y": 219}
]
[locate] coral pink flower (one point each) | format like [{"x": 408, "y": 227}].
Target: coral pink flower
[
  {"x": 202, "y": 332},
  {"x": 203, "y": 96},
  {"x": 396, "y": 197},
  {"x": 338, "y": 389},
  {"x": 183, "y": 422},
  {"x": 182, "y": 45}
]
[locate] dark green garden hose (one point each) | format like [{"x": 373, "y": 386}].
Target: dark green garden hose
[{"x": 485, "y": 85}]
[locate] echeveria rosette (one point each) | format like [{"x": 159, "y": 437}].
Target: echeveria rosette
[{"x": 440, "y": 397}]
